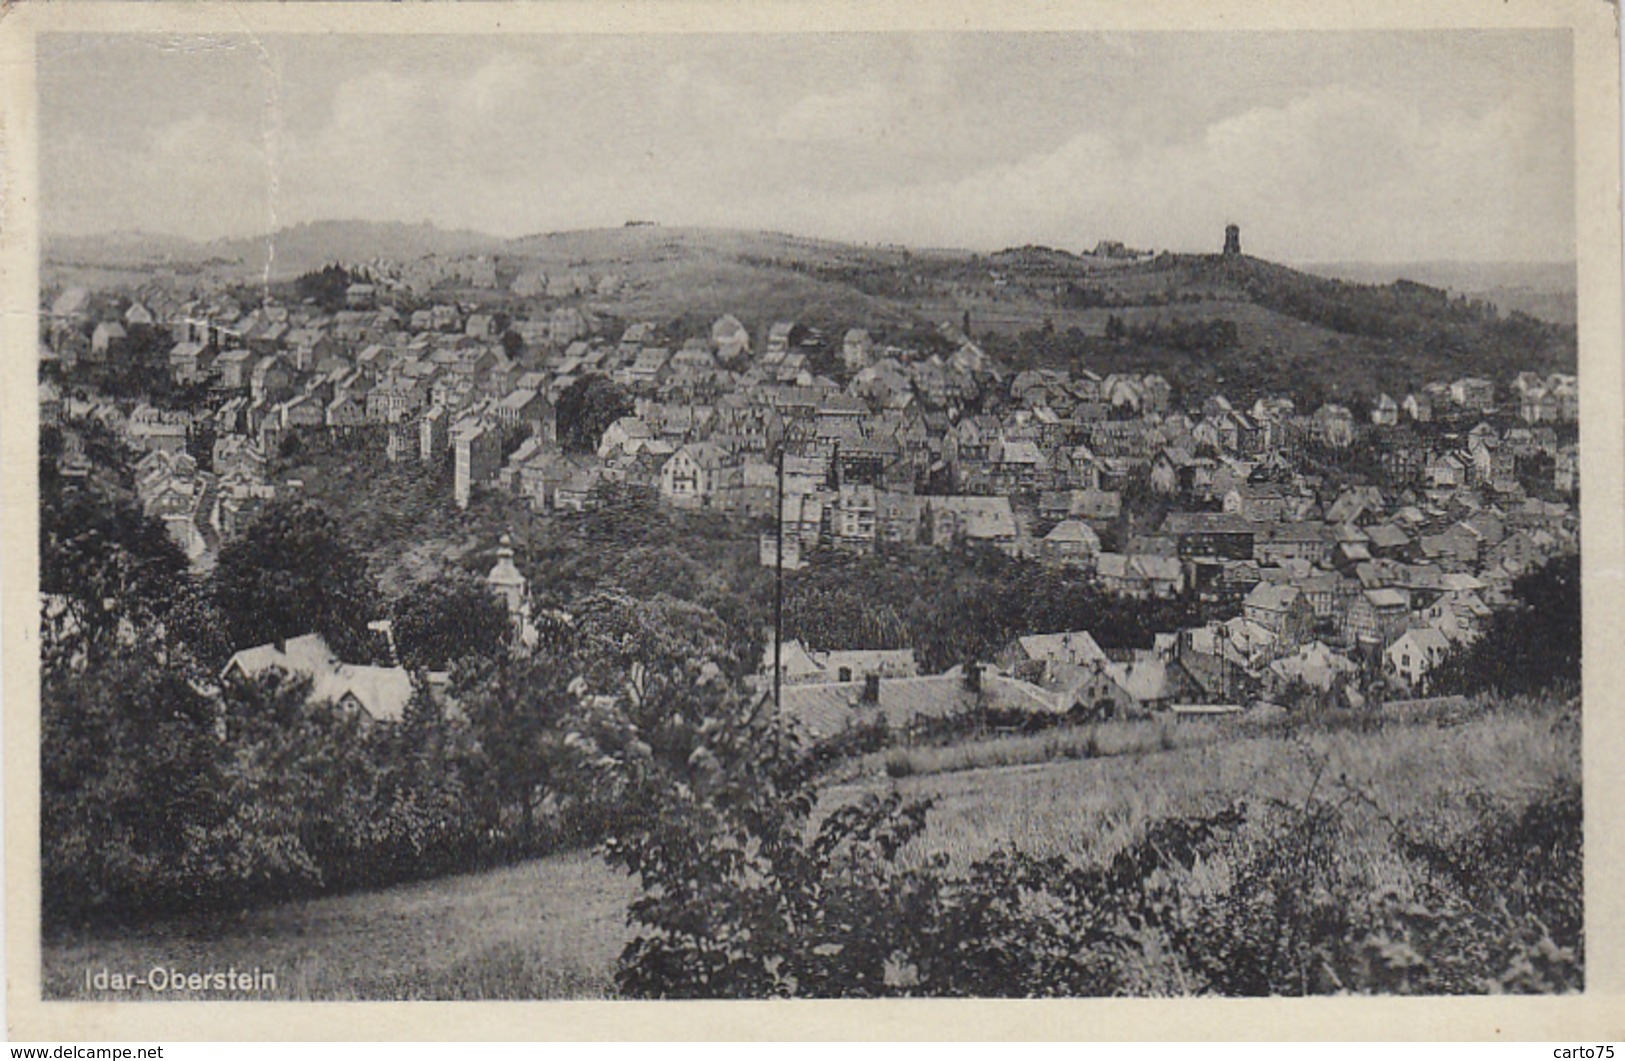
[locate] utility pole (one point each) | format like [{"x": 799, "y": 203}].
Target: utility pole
[{"x": 778, "y": 588}]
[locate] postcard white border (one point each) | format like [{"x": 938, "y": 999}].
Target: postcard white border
[{"x": 1599, "y": 1013}]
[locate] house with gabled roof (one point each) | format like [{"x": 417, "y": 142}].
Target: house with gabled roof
[
  {"x": 379, "y": 694},
  {"x": 1378, "y": 616},
  {"x": 1418, "y": 408},
  {"x": 1140, "y": 575},
  {"x": 955, "y": 519},
  {"x": 855, "y": 348},
  {"x": 731, "y": 339},
  {"x": 234, "y": 368},
  {"x": 1332, "y": 425},
  {"x": 1385, "y": 411},
  {"x": 692, "y": 475},
  {"x": 1282, "y": 609},
  {"x": 189, "y": 362},
  {"x": 1314, "y": 664},
  {"x": 1414, "y": 655},
  {"x": 108, "y": 340},
  {"x": 1071, "y": 541},
  {"x": 1071, "y": 646}
]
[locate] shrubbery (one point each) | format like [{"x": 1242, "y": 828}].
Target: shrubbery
[
  {"x": 850, "y": 913},
  {"x": 1532, "y": 645}
]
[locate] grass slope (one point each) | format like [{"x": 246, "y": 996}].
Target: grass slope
[
  {"x": 1423, "y": 772},
  {"x": 553, "y": 927},
  {"x": 550, "y": 928}
]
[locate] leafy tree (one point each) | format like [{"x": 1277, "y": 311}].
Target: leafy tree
[
  {"x": 516, "y": 707},
  {"x": 327, "y": 286},
  {"x": 745, "y": 898},
  {"x": 296, "y": 781},
  {"x": 586, "y": 408},
  {"x": 127, "y": 772},
  {"x": 1532, "y": 645},
  {"x": 291, "y": 572},
  {"x": 453, "y": 616},
  {"x": 513, "y": 344},
  {"x": 423, "y": 792},
  {"x": 106, "y": 568}
]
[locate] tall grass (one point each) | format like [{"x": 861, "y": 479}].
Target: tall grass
[
  {"x": 554, "y": 927},
  {"x": 1094, "y": 741},
  {"x": 1439, "y": 772}
]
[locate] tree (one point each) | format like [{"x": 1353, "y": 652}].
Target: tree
[
  {"x": 107, "y": 569},
  {"x": 292, "y": 572},
  {"x": 455, "y": 615},
  {"x": 586, "y": 409},
  {"x": 516, "y": 708},
  {"x": 745, "y": 897},
  {"x": 1533, "y": 644},
  {"x": 297, "y": 778},
  {"x": 513, "y": 344},
  {"x": 423, "y": 795},
  {"x": 127, "y": 774},
  {"x": 327, "y": 286}
]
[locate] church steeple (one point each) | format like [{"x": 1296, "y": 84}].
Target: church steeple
[{"x": 505, "y": 579}]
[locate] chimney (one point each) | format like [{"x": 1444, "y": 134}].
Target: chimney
[
  {"x": 871, "y": 689},
  {"x": 973, "y": 676}
]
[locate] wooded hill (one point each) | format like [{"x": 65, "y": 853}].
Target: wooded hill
[{"x": 1207, "y": 321}]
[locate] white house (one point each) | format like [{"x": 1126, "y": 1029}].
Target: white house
[
  {"x": 381, "y": 693},
  {"x": 1414, "y": 655},
  {"x": 692, "y": 475}
]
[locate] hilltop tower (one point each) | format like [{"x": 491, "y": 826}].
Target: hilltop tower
[{"x": 1232, "y": 240}]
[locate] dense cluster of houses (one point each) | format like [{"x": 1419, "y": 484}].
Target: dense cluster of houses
[
  {"x": 943, "y": 448},
  {"x": 199, "y": 508},
  {"x": 1277, "y": 651}
]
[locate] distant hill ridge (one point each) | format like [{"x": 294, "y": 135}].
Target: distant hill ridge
[
  {"x": 1177, "y": 308},
  {"x": 305, "y": 244},
  {"x": 293, "y": 249}
]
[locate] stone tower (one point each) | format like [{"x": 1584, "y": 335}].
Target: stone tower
[{"x": 1232, "y": 240}]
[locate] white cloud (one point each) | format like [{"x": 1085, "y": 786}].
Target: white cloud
[
  {"x": 1383, "y": 176},
  {"x": 865, "y": 112},
  {"x": 904, "y": 143}
]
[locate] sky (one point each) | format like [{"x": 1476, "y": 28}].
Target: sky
[{"x": 1379, "y": 147}]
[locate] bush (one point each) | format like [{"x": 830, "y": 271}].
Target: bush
[
  {"x": 744, "y": 899},
  {"x": 1532, "y": 645}
]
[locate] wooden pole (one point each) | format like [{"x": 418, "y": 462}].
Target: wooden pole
[{"x": 778, "y": 588}]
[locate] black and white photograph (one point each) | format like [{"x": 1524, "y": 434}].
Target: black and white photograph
[{"x": 904, "y": 513}]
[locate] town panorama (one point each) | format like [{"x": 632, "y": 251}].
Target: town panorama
[{"x": 788, "y": 617}]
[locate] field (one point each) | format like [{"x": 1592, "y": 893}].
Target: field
[
  {"x": 553, "y": 927},
  {"x": 544, "y": 929},
  {"x": 1420, "y": 773}
]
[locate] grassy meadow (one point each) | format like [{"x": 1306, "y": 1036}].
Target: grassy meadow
[
  {"x": 549, "y": 928},
  {"x": 1094, "y": 741},
  {"x": 553, "y": 927},
  {"x": 1429, "y": 772}
]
